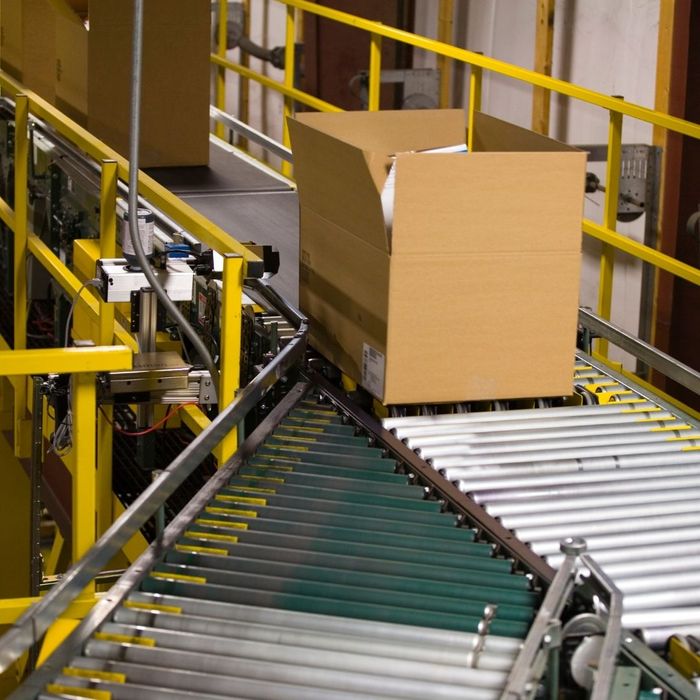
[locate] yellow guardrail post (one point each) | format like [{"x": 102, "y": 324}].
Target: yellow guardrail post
[
  {"x": 108, "y": 249},
  {"x": 612, "y": 190},
  {"x": 475, "y": 81},
  {"x": 230, "y": 354},
  {"x": 375, "y": 72},
  {"x": 84, "y": 405},
  {"x": 444, "y": 64},
  {"x": 221, "y": 72},
  {"x": 21, "y": 160},
  {"x": 290, "y": 35}
]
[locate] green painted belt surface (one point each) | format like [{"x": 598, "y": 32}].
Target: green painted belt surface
[
  {"x": 338, "y": 507},
  {"x": 483, "y": 587},
  {"x": 363, "y": 560},
  {"x": 472, "y": 606},
  {"x": 444, "y": 528},
  {"x": 471, "y": 550},
  {"x": 330, "y": 481},
  {"x": 310, "y": 426},
  {"x": 238, "y": 485},
  {"x": 342, "y": 534},
  {"x": 319, "y": 436},
  {"x": 383, "y": 467},
  {"x": 311, "y": 416},
  {"x": 366, "y": 611},
  {"x": 253, "y": 467},
  {"x": 319, "y": 445},
  {"x": 272, "y": 452}
]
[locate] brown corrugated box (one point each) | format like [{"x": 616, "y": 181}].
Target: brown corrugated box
[
  {"x": 28, "y": 44},
  {"x": 175, "y": 83},
  {"x": 71, "y": 59},
  {"x": 474, "y": 294}
]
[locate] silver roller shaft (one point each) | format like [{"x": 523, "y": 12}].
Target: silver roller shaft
[
  {"x": 326, "y": 624},
  {"x": 656, "y": 637},
  {"x": 559, "y": 453},
  {"x": 655, "y": 600},
  {"x": 585, "y": 528},
  {"x": 576, "y": 431},
  {"x": 633, "y": 569},
  {"x": 659, "y": 582},
  {"x": 658, "y": 419},
  {"x": 561, "y": 516},
  {"x": 628, "y": 539},
  {"x": 635, "y": 553},
  {"x": 511, "y": 482},
  {"x": 598, "y": 489},
  {"x": 645, "y": 409}
]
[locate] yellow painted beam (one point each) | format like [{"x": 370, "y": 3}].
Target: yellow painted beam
[
  {"x": 444, "y": 64},
  {"x": 137, "y": 545},
  {"x": 544, "y": 39},
  {"x": 12, "y": 608},
  {"x": 84, "y": 400},
  {"x": 221, "y": 40},
  {"x": 14, "y": 523},
  {"x": 375, "y": 72},
  {"x": 232, "y": 298},
  {"x": 65, "y": 360}
]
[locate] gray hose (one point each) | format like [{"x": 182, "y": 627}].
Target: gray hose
[{"x": 170, "y": 307}]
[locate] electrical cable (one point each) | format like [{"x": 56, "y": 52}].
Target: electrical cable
[
  {"x": 134, "y": 138},
  {"x": 152, "y": 428},
  {"x": 95, "y": 282}
]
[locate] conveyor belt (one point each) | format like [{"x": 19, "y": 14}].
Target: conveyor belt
[
  {"x": 624, "y": 474},
  {"x": 313, "y": 571}
]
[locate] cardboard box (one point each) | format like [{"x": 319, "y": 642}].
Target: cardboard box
[
  {"x": 175, "y": 84},
  {"x": 474, "y": 294},
  {"x": 28, "y": 44},
  {"x": 71, "y": 71}
]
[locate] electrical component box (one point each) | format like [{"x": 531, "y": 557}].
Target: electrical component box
[{"x": 119, "y": 281}]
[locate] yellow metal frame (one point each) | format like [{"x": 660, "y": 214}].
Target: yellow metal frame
[
  {"x": 93, "y": 501},
  {"x": 617, "y": 108}
]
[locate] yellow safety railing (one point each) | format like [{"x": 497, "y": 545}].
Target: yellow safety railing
[
  {"x": 92, "y": 489},
  {"x": 616, "y": 107}
]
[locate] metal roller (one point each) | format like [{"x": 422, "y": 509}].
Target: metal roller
[
  {"x": 633, "y": 552},
  {"x": 522, "y": 497},
  {"x": 634, "y": 569},
  {"x": 660, "y": 582},
  {"x": 312, "y": 571},
  {"x": 561, "y": 516}
]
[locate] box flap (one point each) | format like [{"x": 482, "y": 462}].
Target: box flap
[
  {"x": 341, "y": 160},
  {"x": 491, "y": 134},
  {"x": 488, "y": 202},
  {"x": 339, "y": 182}
]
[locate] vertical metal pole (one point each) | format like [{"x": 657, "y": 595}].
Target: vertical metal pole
[
  {"x": 475, "y": 83},
  {"x": 37, "y": 462},
  {"x": 289, "y": 70},
  {"x": 108, "y": 245},
  {"x": 84, "y": 481},
  {"x": 230, "y": 345},
  {"x": 244, "y": 83},
  {"x": 222, "y": 37},
  {"x": 35, "y": 476},
  {"x": 148, "y": 321},
  {"x": 21, "y": 158},
  {"x": 544, "y": 38},
  {"x": 612, "y": 189},
  {"x": 375, "y": 72},
  {"x": 444, "y": 64}
]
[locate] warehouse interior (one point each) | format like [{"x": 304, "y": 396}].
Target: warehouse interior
[{"x": 349, "y": 349}]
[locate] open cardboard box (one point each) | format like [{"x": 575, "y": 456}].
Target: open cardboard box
[{"x": 474, "y": 292}]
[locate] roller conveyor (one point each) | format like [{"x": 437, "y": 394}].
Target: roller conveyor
[
  {"x": 311, "y": 570},
  {"x": 623, "y": 473}
]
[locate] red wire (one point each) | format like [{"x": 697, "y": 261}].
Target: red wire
[{"x": 153, "y": 427}]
